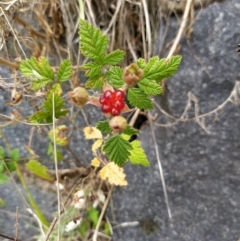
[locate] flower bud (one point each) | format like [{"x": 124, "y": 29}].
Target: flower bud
[
  {"x": 79, "y": 96},
  {"x": 132, "y": 74},
  {"x": 118, "y": 124}
]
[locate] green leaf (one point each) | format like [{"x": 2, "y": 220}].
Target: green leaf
[
  {"x": 130, "y": 131},
  {"x": 117, "y": 149},
  {"x": 39, "y": 71},
  {"x": 84, "y": 227},
  {"x": 92, "y": 69},
  {"x": 93, "y": 215},
  {"x": 94, "y": 83},
  {"x": 2, "y": 153},
  {"x": 139, "y": 99},
  {"x": 14, "y": 155},
  {"x": 141, "y": 63},
  {"x": 11, "y": 166},
  {"x": 170, "y": 68},
  {"x": 38, "y": 169},
  {"x": 159, "y": 69},
  {"x": 104, "y": 127},
  {"x": 114, "y": 77},
  {"x": 114, "y": 57},
  {"x": 137, "y": 155},
  {"x": 2, "y": 166},
  {"x": 93, "y": 44},
  {"x": 150, "y": 87},
  {"x": 45, "y": 115},
  {"x": 3, "y": 178},
  {"x": 65, "y": 70}
]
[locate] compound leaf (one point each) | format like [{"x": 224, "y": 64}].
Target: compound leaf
[
  {"x": 93, "y": 44},
  {"x": 114, "y": 174},
  {"x": 39, "y": 71},
  {"x": 45, "y": 115},
  {"x": 94, "y": 83},
  {"x": 65, "y": 70},
  {"x": 114, "y": 77},
  {"x": 38, "y": 169},
  {"x": 117, "y": 149},
  {"x": 92, "y": 69},
  {"x": 150, "y": 87},
  {"x": 114, "y": 57},
  {"x": 137, "y": 154},
  {"x": 138, "y": 98},
  {"x": 104, "y": 127}
]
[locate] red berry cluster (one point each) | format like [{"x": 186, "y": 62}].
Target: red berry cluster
[{"x": 112, "y": 102}]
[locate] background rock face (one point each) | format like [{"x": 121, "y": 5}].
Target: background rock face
[{"x": 202, "y": 171}]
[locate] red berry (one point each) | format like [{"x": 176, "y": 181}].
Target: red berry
[
  {"x": 119, "y": 94},
  {"x": 115, "y": 112},
  {"x": 108, "y": 94},
  {"x": 119, "y": 105},
  {"x": 106, "y": 108},
  {"x": 112, "y": 101},
  {"x": 102, "y": 99}
]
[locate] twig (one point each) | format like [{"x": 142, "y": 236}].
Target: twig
[
  {"x": 233, "y": 98},
  {"x": 37, "y": 219},
  {"x": 56, "y": 166},
  {"x": 10, "y": 238},
  {"x": 16, "y": 225},
  {"x": 180, "y": 31},
  {"x": 95, "y": 235},
  {"x": 160, "y": 167}
]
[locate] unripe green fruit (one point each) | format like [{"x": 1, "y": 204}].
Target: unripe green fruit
[
  {"x": 132, "y": 74},
  {"x": 79, "y": 96},
  {"x": 118, "y": 124}
]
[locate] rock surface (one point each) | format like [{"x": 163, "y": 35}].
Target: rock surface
[{"x": 201, "y": 169}]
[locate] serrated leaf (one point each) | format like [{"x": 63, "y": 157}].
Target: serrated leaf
[
  {"x": 130, "y": 131},
  {"x": 45, "y": 115},
  {"x": 39, "y": 71},
  {"x": 137, "y": 155},
  {"x": 114, "y": 77},
  {"x": 65, "y": 70},
  {"x": 3, "y": 178},
  {"x": 141, "y": 63},
  {"x": 159, "y": 69},
  {"x": 38, "y": 169},
  {"x": 92, "y": 69},
  {"x": 93, "y": 44},
  {"x": 114, "y": 57},
  {"x": 150, "y": 87},
  {"x": 139, "y": 99},
  {"x": 117, "y": 149},
  {"x": 97, "y": 144},
  {"x": 104, "y": 127},
  {"x": 92, "y": 133},
  {"x": 2, "y": 153},
  {"x": 94, "y": 83},
  {"x": 170, "y": 68},
  {"x": 114, "y": 174},
  {"x": 14, "y": 155}
]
